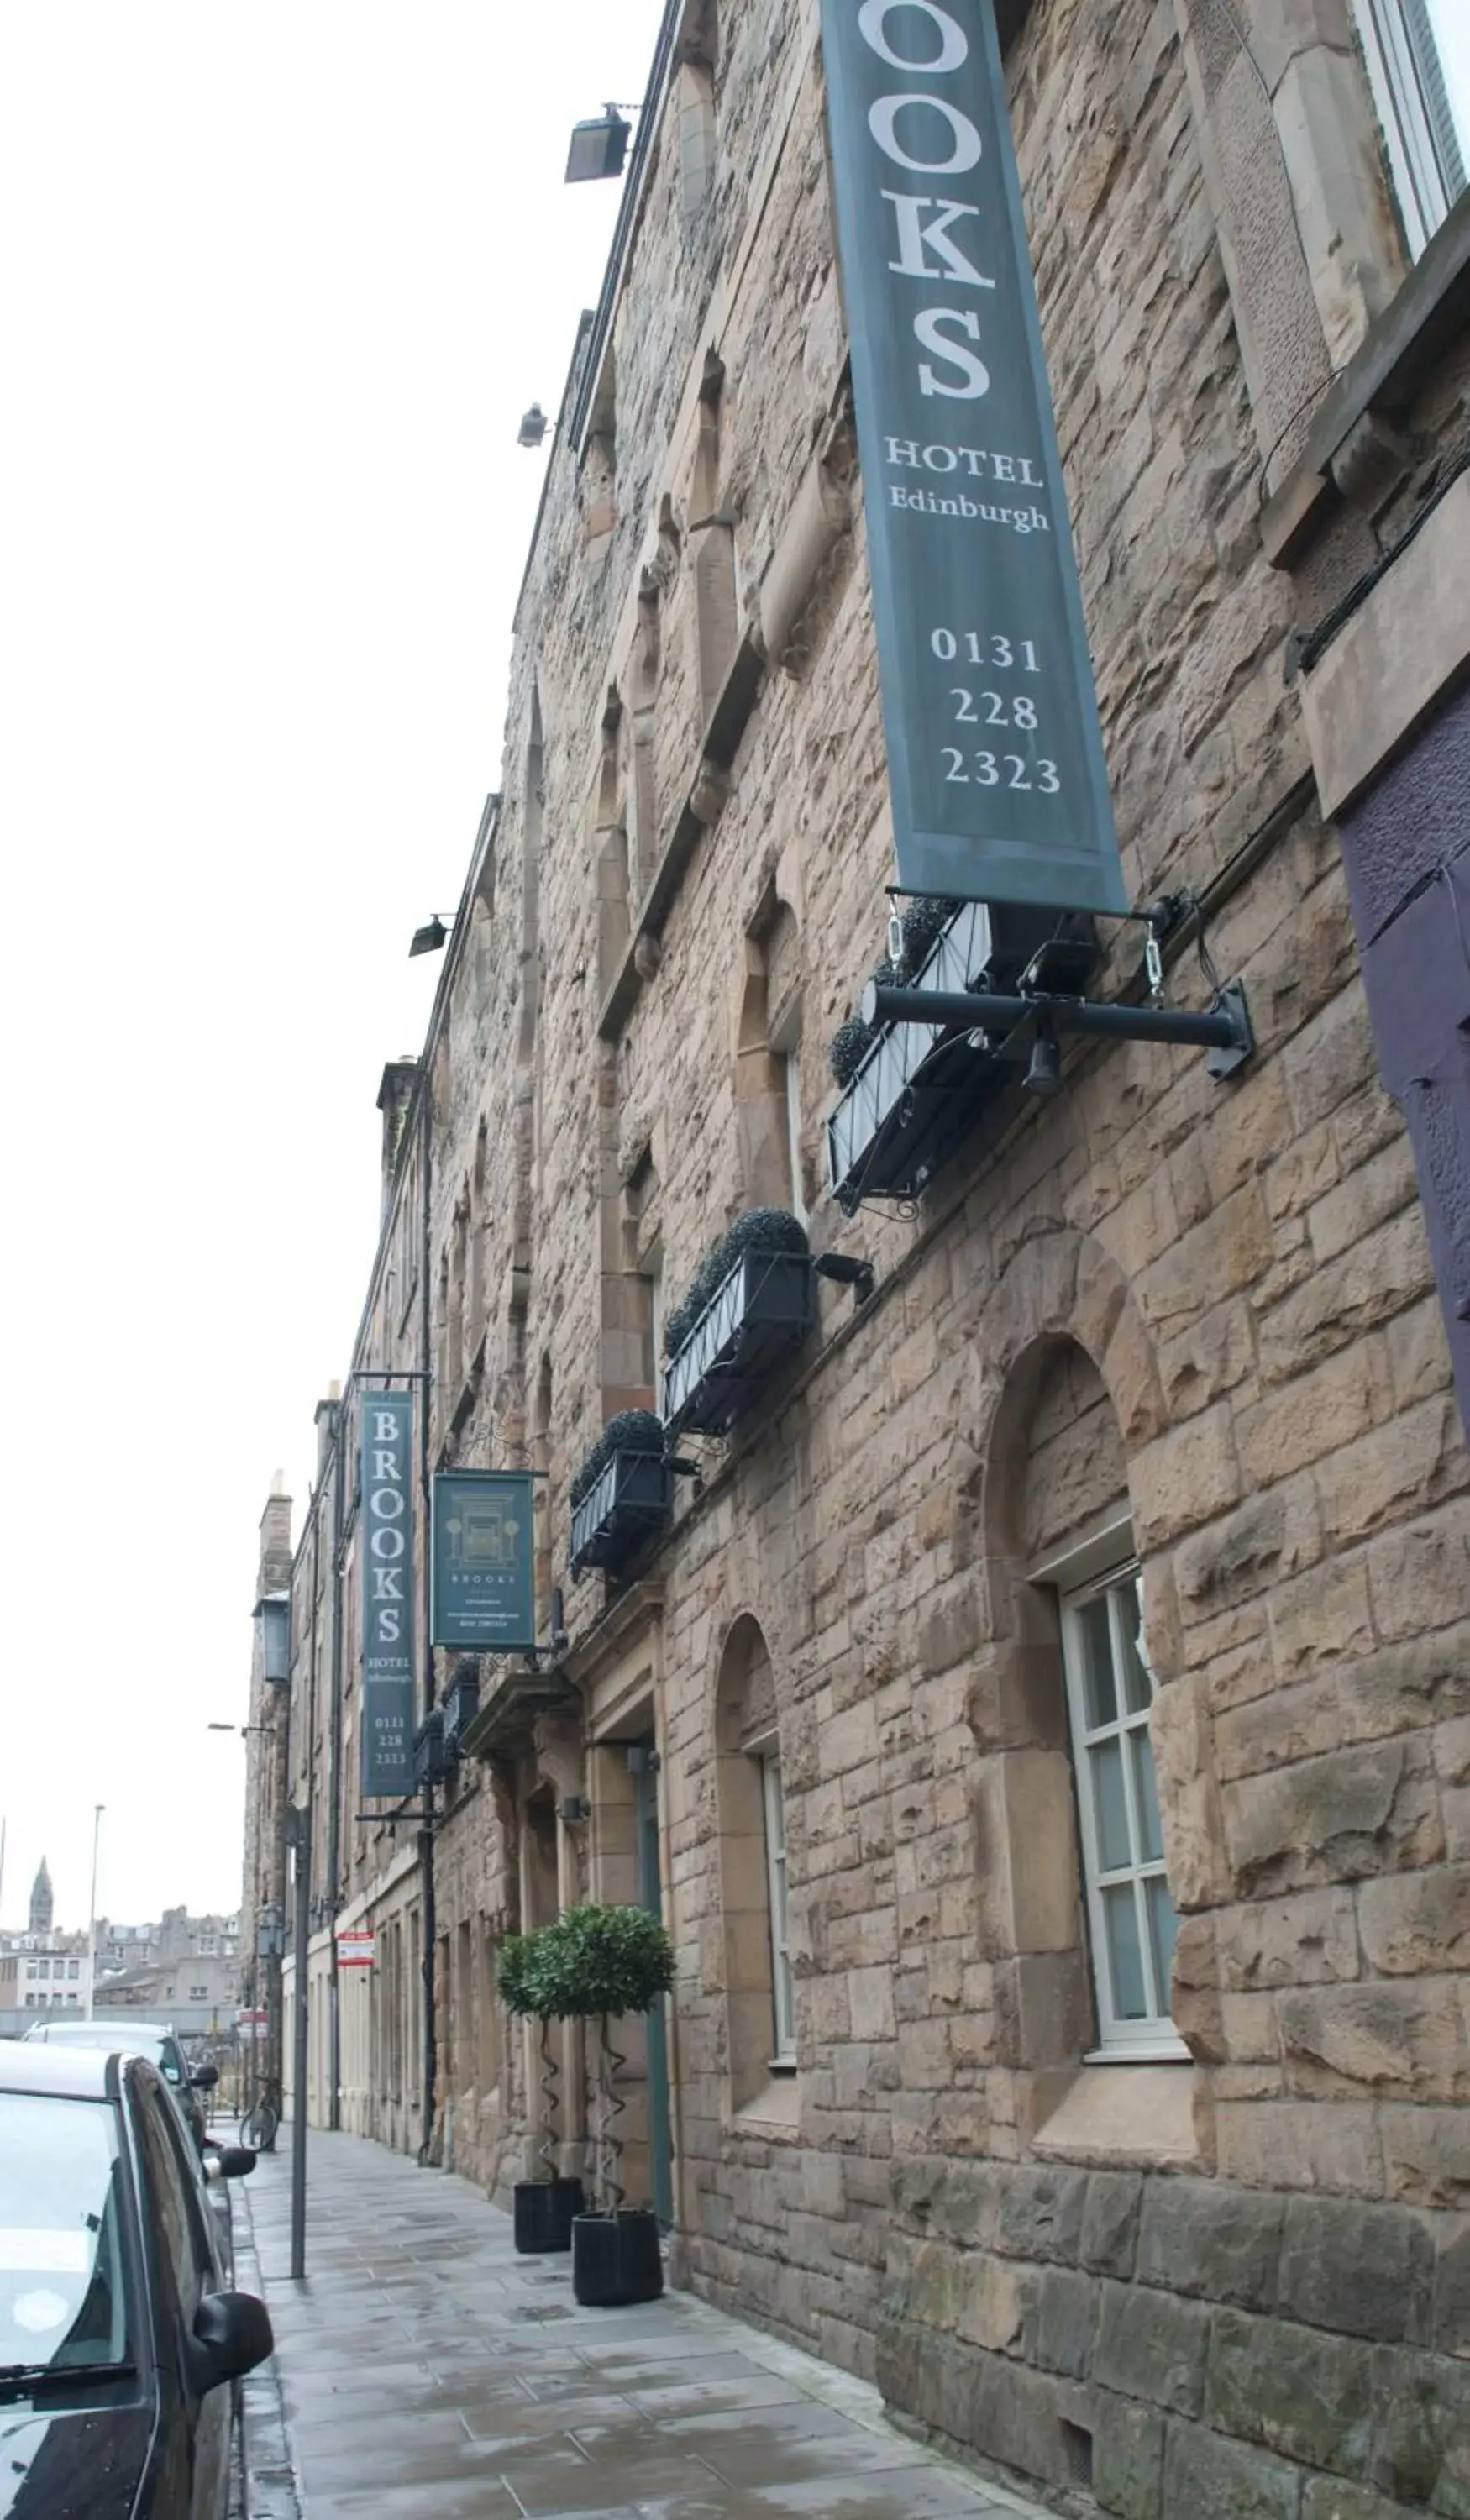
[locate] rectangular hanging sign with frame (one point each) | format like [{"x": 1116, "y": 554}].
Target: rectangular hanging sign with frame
[
  {"x": 386, "y": 1546},
  {"x": 995, "y": 751},
  {"x": 483, "y": 1565}
]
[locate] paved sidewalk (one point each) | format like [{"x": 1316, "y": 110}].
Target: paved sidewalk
[{"x": 429, "y": 2372}]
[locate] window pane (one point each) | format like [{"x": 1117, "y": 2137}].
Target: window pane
[
  {"x": 1110, "y": 1804},
  {"x": 1146, "y": 1798},
  {"x": 1099, "y": 1691},
  {"x": 782, "y": 2001},
  {"x": 1138, "y": 1685},
  {"x": 785, "y": 2007},
  {"x": 1120, "y": 1909},
  {"x": 1447, "y": 81},
  {"x": 1418, "y": 55},
  {"x": 1162, "y": 1927}
]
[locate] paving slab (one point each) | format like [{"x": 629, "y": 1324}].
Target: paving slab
[{"x": 424, "y": 2371}]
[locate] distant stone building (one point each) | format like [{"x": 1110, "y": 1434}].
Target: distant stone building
[
  {"x": 42, "y": 1972},
  {"x": 185, "y": 1969},
  {"x": 42, "y": 1902},
  {"x": 1040, "y": 1709}
]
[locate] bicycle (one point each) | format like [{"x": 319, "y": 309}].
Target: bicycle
[{"x": 261, "y": 2116}]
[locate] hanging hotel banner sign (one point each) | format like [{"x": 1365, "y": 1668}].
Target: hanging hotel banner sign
[
  {"x": 386, "y": 1548},
  {"x": 994, "y": 752},
  {"x": 483, "y": 1579}
]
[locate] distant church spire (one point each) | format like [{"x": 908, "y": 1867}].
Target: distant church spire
[{"x": 42, "y": 1905}]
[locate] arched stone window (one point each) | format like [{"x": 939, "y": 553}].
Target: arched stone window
[
  {"x": 1076, "y": 1540},
  {"x": 699, "y": 54},
  {"x": 478, "y": 1228},
  {"x": 1073, "y": 1882},
  {"x": 712, "y": 540},
  {"x": 759, "y": 1988},
  {"x": 768, "y": 1064},
  {"x": 610, "y": 844},
  {"x": 541, "y": 1460}
]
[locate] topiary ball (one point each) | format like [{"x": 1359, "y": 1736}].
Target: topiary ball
[
  {"x": 926, "y": 916},
  {"x": 764, "y": 1228},
  {"x": 630, "y": 1431}
]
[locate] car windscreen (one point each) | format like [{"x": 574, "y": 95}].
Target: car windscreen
[{"x": 63, "y": 2295}]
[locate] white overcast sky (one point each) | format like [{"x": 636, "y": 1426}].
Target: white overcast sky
[{"x": 275, "y": 284}]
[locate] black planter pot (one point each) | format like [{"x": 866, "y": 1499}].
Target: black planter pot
[
  {"x": 543, "y": 2213},
  {"x": 616, "y": 2258}
]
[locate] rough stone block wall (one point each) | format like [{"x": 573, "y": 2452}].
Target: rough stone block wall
[{"x": 1238, "y": 2284}]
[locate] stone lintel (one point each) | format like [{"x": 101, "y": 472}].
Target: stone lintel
[{"x": 1403, "y": 649}]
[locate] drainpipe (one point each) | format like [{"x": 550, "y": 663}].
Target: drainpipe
[
  {"x": 313, "y": 1659},
  {"x": 335, "y": 1805},
  {"x": 426, "y": 1832}
]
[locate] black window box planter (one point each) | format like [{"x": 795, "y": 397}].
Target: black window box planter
[
  {"x": 632, "y": 1496},
  {"x": 762, "y": 1311},
  {"x": 920, "y": 1086}
]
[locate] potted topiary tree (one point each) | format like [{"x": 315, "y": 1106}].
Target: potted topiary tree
[
  {"x": 543, "y": 2208},
  {"x": 601, "y": 1962}
]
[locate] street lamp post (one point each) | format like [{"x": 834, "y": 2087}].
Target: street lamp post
[{"x": 97, "y": 1812}]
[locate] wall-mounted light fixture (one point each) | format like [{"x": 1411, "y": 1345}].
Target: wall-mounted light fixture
[
  {"x": 429, "y": 939},
  {"x": 575, "y": 1808},
  {"x": 533, "y": 427},
  {"x": 599, "y": 147},
  {"x": 860, "y": 1274},
  {"x": 1044, "y": 1075},
  {"x": 273, "y": 1610}
]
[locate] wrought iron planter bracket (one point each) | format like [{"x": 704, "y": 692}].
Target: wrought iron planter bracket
[{"x": 1225, "y": 1031}]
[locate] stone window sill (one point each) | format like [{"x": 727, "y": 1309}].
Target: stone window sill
[
  {"x": 1124, "y": 2116},
  {"x": 773, "y": 2116},
  {"x": 1429, "y": 312}
]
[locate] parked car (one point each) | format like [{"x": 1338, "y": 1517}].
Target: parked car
[
  {"x": 119, "y": 2339},
  {"x": 151, "y": 2038}
]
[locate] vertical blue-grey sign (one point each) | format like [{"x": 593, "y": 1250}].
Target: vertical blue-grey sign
[
  {"x": 994, "y": 752},
  {"x": 385, "y": 1528},
  {"x": 482, "y": 1566}
]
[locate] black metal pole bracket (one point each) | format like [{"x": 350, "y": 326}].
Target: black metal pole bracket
[{"x": 1225, "y": 1031}]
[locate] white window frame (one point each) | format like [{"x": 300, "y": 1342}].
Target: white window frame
[
  {"x": 783, "y": 1985},
  {"x": 1153, "y": 2038},
  {"x": 1417, "y": 136}
]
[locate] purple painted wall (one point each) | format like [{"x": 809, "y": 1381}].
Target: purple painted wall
[{"x": 1407, "y": 851}]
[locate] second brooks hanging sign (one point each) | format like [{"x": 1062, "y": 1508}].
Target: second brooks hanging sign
[{"x": 995, "y": 753}]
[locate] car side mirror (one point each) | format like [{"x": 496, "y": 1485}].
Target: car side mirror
[
  {"x": 204, "y": 2078},
  {"x": 235, "y": 2161},
  {"x": 232, "y": 2334}
]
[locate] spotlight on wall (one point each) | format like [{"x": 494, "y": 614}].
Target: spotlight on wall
[
  {"x": 860, "y": 1274},
  {"x": 532, "y": 427},
  {"x": 428, "y": 940},
  {"x": 599, "y": 147},
  {"x": 1044, "y": 1075},
  {"x": 575, "y": 1808}
]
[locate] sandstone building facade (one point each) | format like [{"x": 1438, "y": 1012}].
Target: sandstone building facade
[{"x": 1044, "y": 1718}]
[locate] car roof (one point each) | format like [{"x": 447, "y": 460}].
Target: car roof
[
  {"x": 34, "y": 2066},
  {"x": 117, "y": 2033}
]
